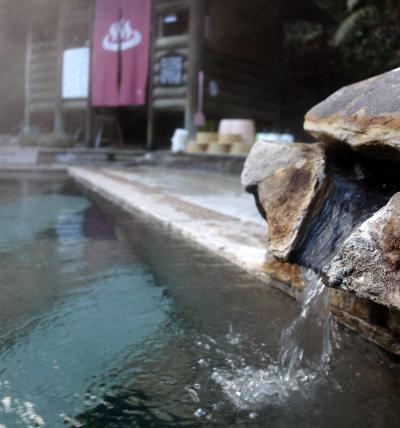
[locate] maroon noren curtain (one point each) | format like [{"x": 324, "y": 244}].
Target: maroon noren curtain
[{"x": 121, "y": 45}]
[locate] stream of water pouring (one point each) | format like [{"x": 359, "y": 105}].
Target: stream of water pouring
[
  {"x": 306, "y": 349},
  {"x": 307, "y": 343}
]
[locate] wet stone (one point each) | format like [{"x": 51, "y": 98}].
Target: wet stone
[
  {"x": 289, "y": 182},
  {"x": 266, "y": 158},
  {"x": 374, "y": 275},
  {"x": 364, "y": 115},
  {"x": 285, "y": 273},
  {"x": 278, "y": 270},
  {"x": 341, "y": 300},
  {"x": 394, "y": 321},
  {"x": 290, "y": 196},
  {"x": 360, "y": 309}
]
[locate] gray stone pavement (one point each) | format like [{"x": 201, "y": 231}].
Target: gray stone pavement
[
  {"x": 208, "y": 209},
  {"x": 222, "y": 193}
]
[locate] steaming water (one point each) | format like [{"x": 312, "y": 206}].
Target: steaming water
[
  {"x": 107, "y": 321},
  {"x": 305, "y": 352},
  {"x": 298, "y": 347}
]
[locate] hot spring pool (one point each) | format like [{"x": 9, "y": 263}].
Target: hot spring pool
[{"x": 109, "y": 321}]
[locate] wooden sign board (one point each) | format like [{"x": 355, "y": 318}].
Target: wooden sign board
[
  {"x": 171, "y": 69},
  {"x": 75, "y": 79}
]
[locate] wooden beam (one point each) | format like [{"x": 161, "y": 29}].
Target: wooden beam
[
  {"x": 150, "y": 99},
  {"x": 79, "y": 105},
  {"x": 171, "y": 6},
  {"x": 89, "y": 109},
  {"x": 58, "y": 114},
  {"x": 45, "y": 107},
  {"x": 181, "y": 51},
  {"x": 27, "y": 117},
  {"x": 197, "y": 16},
  {"x": 161, "y": 92},
  {"x": 173, "y": 42},
  {"x": 219, "y": 60},
  {"x": 42, "y": 96},
  {"x": 174, "y": 104},
  {"x": 43, "y": 46}
]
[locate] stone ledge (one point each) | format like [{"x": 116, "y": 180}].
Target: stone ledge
[{"x": 241, "y": 243}]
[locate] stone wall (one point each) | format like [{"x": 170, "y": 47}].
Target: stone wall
[
  {"x": 334, "y": 206},
  {"x": 376, "y": 323}
]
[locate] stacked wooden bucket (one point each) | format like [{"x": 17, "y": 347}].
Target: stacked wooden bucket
[{"x": 235, "y": 137}]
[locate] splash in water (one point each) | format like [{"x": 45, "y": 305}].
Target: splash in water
[
  {"x": 307, "y": 342},
  {"x": 306, "y": 349}
]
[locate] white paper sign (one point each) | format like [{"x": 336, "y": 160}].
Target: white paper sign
[{"x": 75, "y": 82}]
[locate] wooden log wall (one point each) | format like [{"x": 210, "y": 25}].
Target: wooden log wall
[
  {"x": 245, "y": 89},
  {"x": 42, "y": 76},
  {"x": 43, "y": 73},
  {"x": 168, "y": 98},
  {"x": 172, "y": 98}
]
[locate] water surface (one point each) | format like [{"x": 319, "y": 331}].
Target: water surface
[{"x": 108, "y": 321}]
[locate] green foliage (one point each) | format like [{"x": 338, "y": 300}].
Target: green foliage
[
  {"x": 209, "y": 126},
  {"x": 363, "y": 39},
  {"x": 368, "y": 38},
  {"x": 333, "y": 8},
  {"x": 351, "y": 4},
  {"x": 353, "y": 21},
  {"x": 302, "y": 33}
]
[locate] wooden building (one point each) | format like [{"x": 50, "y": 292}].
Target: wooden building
[
  {"x": 236, "y": 44},
  {"x": 58, "y": 26}
]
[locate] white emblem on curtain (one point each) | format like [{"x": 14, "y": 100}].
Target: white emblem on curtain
[{"x": 121, "y": 36}]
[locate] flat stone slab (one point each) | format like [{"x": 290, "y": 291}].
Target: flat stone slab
[
  {"x": 219, "y": 192},
  {"x": 368, "y": 263},
  {"x": 365, "y": 115},
  {"x": 239, "y": 241}
]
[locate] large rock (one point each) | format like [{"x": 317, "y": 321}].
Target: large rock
[
  {"x": 365, "y": 115},
  {"x": 265, "y": 158},
  {"x": 290, "y": 181},
  {"x": 368, "y": 263}
]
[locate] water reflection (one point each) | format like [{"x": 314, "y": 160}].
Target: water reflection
[{"x": 108, "y": 321}]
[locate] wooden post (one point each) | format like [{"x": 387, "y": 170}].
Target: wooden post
[
  {"x": 28, "y": 55},
  {"x": 89, "y": 109},
  {"x": 196, "y": 41},
  {"x": 58, "y": 108},
  {"x": 150, "y": 99}
]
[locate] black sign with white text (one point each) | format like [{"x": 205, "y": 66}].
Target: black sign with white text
[{"x": 171, "y": 69}]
